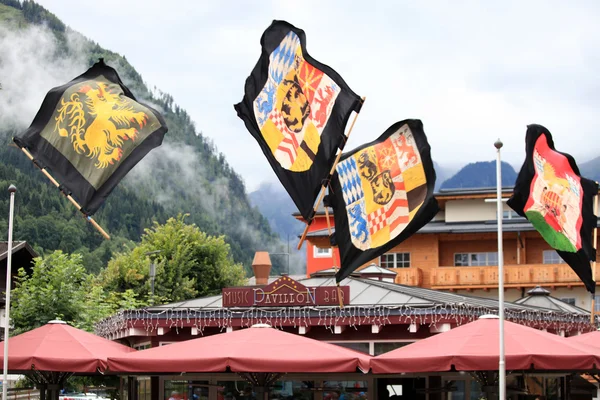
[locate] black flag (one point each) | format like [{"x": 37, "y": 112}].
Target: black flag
[
  {"x": 90, "y": 133},
  {"x": 558, "y": 202},
  {"x": 297, "y": 110},
  {"x": 382, "y": 193}
]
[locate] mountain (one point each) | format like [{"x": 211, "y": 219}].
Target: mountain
[
  {"x": 441, "y": 174},
  {"x": 591, "y": 169},
  {"x": 480, "y": 174},
  {"x": 275, "y": 204},
  {"x": 186, "y": 174}
]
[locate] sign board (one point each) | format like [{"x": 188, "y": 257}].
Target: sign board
[{"x": 285, "y": 292}]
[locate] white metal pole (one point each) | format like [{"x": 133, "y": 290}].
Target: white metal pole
[
  {"x": 499, "y": 206},
  {"x": 11, "y": 189}
]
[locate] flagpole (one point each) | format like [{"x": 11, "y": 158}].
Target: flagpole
[
  {"x": 322, "y": 191},
  {"x": 71, "y": 199},
  {"x": 11, "y": 189},
  {"x": 593, "y": 311},
  {"x": 501, "y": 363}
]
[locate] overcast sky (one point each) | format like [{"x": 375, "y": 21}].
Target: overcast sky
[{"x": 472, "y": 71}]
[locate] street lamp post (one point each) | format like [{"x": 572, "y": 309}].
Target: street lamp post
[
  {"x": 152, "y": 274},
  {"x": 285, "y": 254},
  {"x": 12, "y": 190}
]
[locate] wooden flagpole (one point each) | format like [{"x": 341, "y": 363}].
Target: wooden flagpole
[
  {"x": 324, "y": 185},
  {"x": 593, "y": 311},
  {"x": 71, "y": 199}
]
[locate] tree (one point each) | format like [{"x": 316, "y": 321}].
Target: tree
[
  {"x": 56, "y": 289},
  {"x": 60, "y": 287},
  {"x": 189, "y": 263}
]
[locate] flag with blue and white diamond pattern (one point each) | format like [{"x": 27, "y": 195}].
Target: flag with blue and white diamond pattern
[
  {"x": 381, "y": 194},
  {"x": 297, "y": 109}
]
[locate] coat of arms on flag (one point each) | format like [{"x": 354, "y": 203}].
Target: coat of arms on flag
[
  {"x": 297, "y": 109},
  {"x": 90, "y": 132},
  {"x": 557, "y": 201},
  {"x": 382, "y": 193}
]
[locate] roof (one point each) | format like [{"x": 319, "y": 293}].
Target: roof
[
  {"x": 440, "y": 194},
  {"x": 252, "y": 280},
  {"x": 540, "y": 297},
  {"x": 368, "y": 292},
  {"x": 370, "y": 302},
  {"x": 376, "y": 269},
  {"x": 468, "y": 191},
  {"x": 17, "y": 246},
  {"x": 518, "y": 224}
]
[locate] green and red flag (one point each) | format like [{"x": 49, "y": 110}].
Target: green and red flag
[
  {"x": 90, "y": 133},
  {"x": 558, "y": 202},
  {"x": 297, "y": 110},
  {"x": 381, "y": 194}
]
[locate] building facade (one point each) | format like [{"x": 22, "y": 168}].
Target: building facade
[
  {"x": 457, "y": 252},
  {"x": 22, "y": 257},
  {"x": 377, "y": 316}
]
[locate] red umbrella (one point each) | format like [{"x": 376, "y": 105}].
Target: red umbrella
[
  {"x": 591, "y": 339},
  {"x": 257, "y": 349},
  {"x": 59, "y": 347},
  {"x": 475, "y": 347}
]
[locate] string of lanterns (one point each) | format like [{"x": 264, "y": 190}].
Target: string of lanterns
[{"x": 329, "y": 317}]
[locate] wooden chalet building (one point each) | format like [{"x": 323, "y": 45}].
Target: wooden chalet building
[{"x": 457, "y": 252}]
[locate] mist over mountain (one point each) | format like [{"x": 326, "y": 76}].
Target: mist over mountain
[{"x": 187, "y": 174}]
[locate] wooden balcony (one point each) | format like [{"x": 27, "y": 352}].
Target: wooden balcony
[
  {"x": 409, "y": 276},
  {"x": 516, "y": 276}
]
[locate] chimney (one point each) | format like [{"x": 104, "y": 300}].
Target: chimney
[{"x": 261, "y": 265}]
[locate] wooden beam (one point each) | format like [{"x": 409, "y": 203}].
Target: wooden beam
[
  {"x": 303, "y": 330},
  {"x": 440, "y": 328},
  {"x": 162, "y": 330},
  {"x": 137, "y": 332}
]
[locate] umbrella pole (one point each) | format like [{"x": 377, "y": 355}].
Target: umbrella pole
[
  {"x": 42, "y": 388},
  {"x": 499, "y": 208},
  {"x": 11, "y": 189}
]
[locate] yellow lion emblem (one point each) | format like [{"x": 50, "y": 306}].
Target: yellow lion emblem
[{"x": 113, "y": 116}]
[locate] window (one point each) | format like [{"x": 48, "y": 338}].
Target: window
[
  {"x": 142, "y": 346},
  {"x": 395, "y": 260},
  {"x": 322, "y": 252},
  {"x": 568, "y": 300},
  {"x": 552, "y": 257},
  {"x": 509, "y": 214},
  {"x": 363, "y": 347},
  {"x": 475, "y": 259},
  {"x": 142, "y": 384},
  {"x": 384, "y": 347}
]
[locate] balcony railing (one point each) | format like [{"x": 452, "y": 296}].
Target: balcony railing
[
  {"x": 409, "y": 276},
  {"x": 514, "y": 276}
]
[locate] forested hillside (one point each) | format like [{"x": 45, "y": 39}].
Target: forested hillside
[{"x": 186, "y": 174}]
